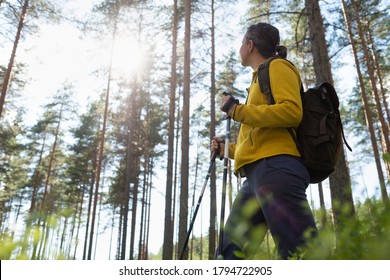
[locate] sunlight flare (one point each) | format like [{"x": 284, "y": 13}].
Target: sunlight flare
[{"x": 128, "y": 56}]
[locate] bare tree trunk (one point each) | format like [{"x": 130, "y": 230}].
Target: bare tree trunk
[
  {"x": 175, "y": 176},
  {"x": 379, "y": 74},
  {"x": 102, "y": 136},
  {"x": 370, "y": 69},
  {"x": 168, "y": 221},
  {"x": 128, "y": 175},
  {"x": 136, "y": 109},
  {"x": 80, "y": 211},
  {"x": 42, "y": 215},
  {"x": 193, "y": 199},
  {"x": 51, "y": 161},
  {"x": 185, "y": 132},
  {"x": 98, "y": 217},
  {"x": 213, "y": 185},
  {"x": 141, "y": 240},
  {"x": 63, "y": 235},
  {"x": 112, "y": 233},
  {"x": 119, "y": 242},
  {"x": 383, "y": 99},
  {"x": 366, "y": 105},
  {"x": 324, "y": 219},
  {"x": 148, "y": 210},
  {"x": 37, "y": 177},
  {"x": 384, "y": 127},
  {"x": 43, "y": 238},
  {"x": 148, "y": 187},
  {"x": 99, "y": 166},
  {"x": 92, "y": 183},
  {"x": 8, "y": 72},
  {"x": 339, "y": 180}
]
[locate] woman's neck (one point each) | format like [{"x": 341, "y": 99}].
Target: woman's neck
[{"x": 256, "y": 61}]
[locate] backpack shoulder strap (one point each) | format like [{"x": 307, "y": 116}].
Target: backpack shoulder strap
[{"x": 264, "y": 80}]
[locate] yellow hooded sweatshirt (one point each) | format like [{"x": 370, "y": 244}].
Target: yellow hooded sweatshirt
[{"x": 263, "y": 130}]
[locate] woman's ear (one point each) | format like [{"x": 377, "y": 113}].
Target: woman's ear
[{"x": 251, "y": 45}]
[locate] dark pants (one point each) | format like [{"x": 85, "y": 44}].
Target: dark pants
[{"x": 273, "y": 197}]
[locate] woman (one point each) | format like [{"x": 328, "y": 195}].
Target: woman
[{"x": 273, "y": 195}]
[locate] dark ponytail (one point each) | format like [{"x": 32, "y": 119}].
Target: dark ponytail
[
  {"x": 266, "y": 39},
  {"x": 281, "y": 51}
]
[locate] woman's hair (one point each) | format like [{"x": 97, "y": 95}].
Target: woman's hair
[{"x": 266, "y": 39}]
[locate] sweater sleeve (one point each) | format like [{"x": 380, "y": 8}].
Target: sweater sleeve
[{"x": 287, "y": 112}]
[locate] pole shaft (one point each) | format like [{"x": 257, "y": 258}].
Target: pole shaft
[
  {"x": 224, "y": 183},
  {"x": 198, "y": 205}
]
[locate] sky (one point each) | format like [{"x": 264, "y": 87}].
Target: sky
[{"x": 60, "y": 53}]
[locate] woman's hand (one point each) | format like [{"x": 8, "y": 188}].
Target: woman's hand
[
  {"x": 218, "y": 146},
  {"x": 228, "y": 104}
]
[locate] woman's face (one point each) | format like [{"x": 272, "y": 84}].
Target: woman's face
[{"x": 245, "y": 51}]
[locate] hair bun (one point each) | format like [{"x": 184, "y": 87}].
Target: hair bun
[{"x": 281, "y": 51}]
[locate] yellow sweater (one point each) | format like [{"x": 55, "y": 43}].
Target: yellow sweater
[{"x": 263, "y": 130}]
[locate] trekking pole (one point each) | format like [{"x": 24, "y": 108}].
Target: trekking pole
[
  {"x": 224, "y": 183},
  {"x": 214, "y": 155}
]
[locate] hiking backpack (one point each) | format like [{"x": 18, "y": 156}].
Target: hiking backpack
[{"x": 320, "y": 134}]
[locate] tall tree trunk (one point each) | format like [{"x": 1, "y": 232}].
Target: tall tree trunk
[
  {"x": 128, "y": 176},
  {"x": 322, "y": 205},
  {"x": 99, "y": 167},
  {"x": 8, "y": 72},
  {"x": 112, "y": 233},
  {"x": 63, "y": 235},
  {"x": 145, "y": 199},
  {"x": 183, "y": 217},
  {"x": 119, "y": 241},
  {"x": 142, "y": 225},
  {"x": 370, "y": 69},
  {"x": 193, "y": 198},
  {"x": 42, "y": 215},
  {"x": 91, "y": 185},
  {"x": 339, "y": 180},
  {"x": 136, "y": 109},
  {"x": 37, "y": 176},
  {"x": 383, "y": 101},
  {"x": 149, "y": 199},
  {"x": 79, "y": 214},
  {"x": 102, "y": 135},
  {"x": 168, "y": 220},
  {"x": 378, "y": 71},
  {"x": 98, "y": 216},
  {"x": 213, "y": 185},
  {"x": 366, "y": 105},
  {"x": 52, "y": 154},
  {"x": 175, "y": 176}
]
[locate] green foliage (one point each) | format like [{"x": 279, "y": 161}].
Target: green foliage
[
  {"x": 366, "y": 237},
  {"x": 35, "y": 242},
  {"x": 386, "y": 157}
]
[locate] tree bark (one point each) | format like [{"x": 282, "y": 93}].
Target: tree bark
[
  {"x": 99, "y": 167},
  {"x": 339, "y": 180},
  {"x": 369, "y": 63},
  {"x": 37, "y": 177},
  {"x": 8, "y": 72},
  {"x": 168, "y": 221},
  {"x": 183, "y": 216},
  {"x": 324, "y": 219},
  {"x": 366, "y": 105},
  {"x": 213, "y": 185}
]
